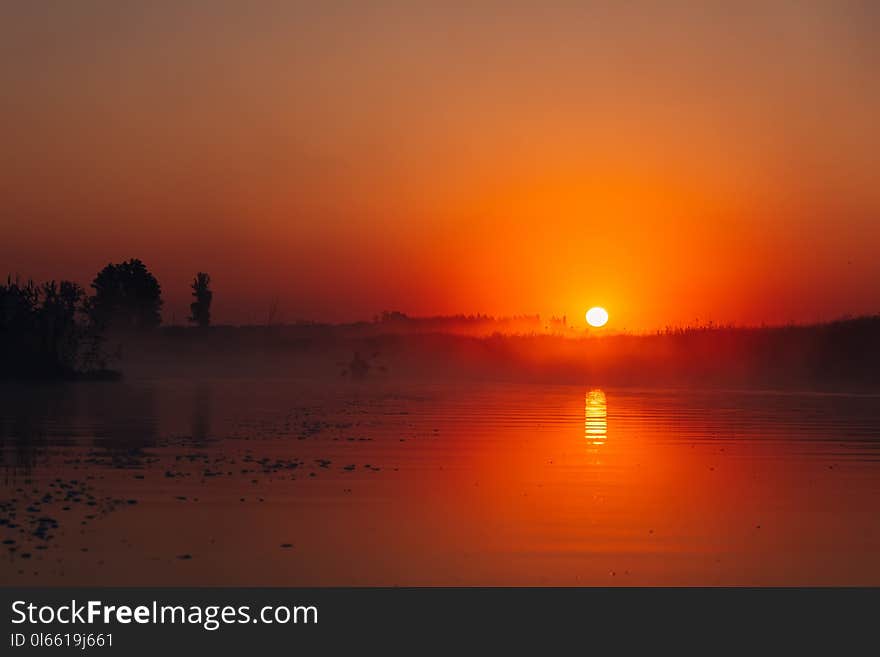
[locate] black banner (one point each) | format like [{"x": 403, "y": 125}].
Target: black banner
[{"x": 327, "y": 620}]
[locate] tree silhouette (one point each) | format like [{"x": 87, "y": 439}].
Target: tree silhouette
[
  {"x": 127, "y": 297},
  {"x": 200, "y": 309}
]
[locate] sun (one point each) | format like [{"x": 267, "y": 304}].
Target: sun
[{"x": 597, "y": 317}]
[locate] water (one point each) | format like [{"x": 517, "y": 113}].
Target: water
[{"x": 232, "y": 482}]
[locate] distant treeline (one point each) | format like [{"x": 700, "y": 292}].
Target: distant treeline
[{"x": 398, "y": 322}]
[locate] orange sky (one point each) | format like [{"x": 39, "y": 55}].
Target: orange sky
[{"x": 345, "y": 158}]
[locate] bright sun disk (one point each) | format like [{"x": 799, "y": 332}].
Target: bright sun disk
[{"x": 597, "y": 316}]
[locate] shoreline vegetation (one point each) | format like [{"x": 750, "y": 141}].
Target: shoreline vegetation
[{"x": 56, "y": 332}]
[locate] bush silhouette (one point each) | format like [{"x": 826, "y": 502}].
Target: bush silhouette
[{"x": 44, "y": 332}]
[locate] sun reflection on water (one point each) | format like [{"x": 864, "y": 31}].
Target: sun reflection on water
[{"x": 596, "y": 418}]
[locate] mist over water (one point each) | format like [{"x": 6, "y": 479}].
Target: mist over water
[{"x": 284, "y": 482}]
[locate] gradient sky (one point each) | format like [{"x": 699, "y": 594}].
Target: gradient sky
[{"x": 672, "y": 164}]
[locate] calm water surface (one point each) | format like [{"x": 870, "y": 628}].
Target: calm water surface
[{"x": 289, "y": 483}]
